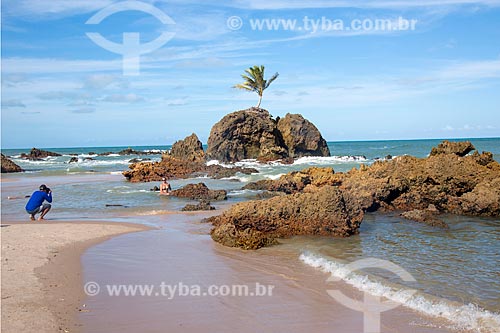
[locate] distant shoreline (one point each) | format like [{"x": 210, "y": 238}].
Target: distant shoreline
[{"x": 328, "y": 141}]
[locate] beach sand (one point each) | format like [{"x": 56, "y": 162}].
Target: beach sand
[
  {"x": 179, "y": 251},
  {"x": 41, "y": 272}
]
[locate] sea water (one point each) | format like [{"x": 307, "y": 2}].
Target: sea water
[{"x": 457, "y": 270}]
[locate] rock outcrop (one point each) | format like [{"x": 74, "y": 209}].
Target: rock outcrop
[
  {"x": 254, "y": 134},
  {"x": 457, "y": 148},
  {"x": 254, "y": 224},
  {"x": 8, "y": 166},
  {"x": 200, "y": 206},
  {"x": 301, "y": 137},
  {"x": 444, "y": 182},
  {"x": 185, "y": 160},
  {"x": 38, "y": 154},
  {"x": 199, "y": 191},
  {"x": 189, "y": 149}
]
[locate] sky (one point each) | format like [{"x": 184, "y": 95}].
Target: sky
[{"x": 60, "y": 88}]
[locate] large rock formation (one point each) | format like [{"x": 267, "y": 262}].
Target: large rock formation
[
  {"x": 189, "y": 149},
  {"x": 185, "y": 160},
  {"x": 254, "y": 224},
  {"x": 38, "y": 154},
  {"x": 443, "y": 182},
  {"x": 301, "y": 137},
  {"x": 254, "y": 134},
  {"x": 199, "y": 191},
  {"x": 8, "y": 166}
]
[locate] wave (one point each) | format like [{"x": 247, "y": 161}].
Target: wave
[
  {"x": 244, "y": 193},
  {"x": 468, "y": 317},
  {"x": 318, "y": 160}
]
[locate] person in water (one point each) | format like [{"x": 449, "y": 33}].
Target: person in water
[
  {"x": 165, "y": 187},
  {"x": 36, "y": 203}
]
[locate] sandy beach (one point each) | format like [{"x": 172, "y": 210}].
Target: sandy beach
[{"x": 41, "y": 272}]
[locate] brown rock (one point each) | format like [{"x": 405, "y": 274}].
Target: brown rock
[
  {"x": 189, "y": 149},
  {"x": 199, "y": 191},
  {"x": 296, "y": 181},
  {"x": 8, "y": 166},
  {"x": 186, "y": 159},
  {"x": 457, "y": 148},
  {"x": 254, "y": 224},
  {"x": 301, "y": 137}
]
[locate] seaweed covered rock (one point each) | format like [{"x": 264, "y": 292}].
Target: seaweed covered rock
[
  {"x": 253, "y": 224},
  {"x": 199, "y": 191},
  {"x": 8, "y": 166}
]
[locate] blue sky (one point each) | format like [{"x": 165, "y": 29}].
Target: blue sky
[{"x": 60, "y": 89}]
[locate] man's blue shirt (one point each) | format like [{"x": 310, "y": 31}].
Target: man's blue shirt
[{"x": 36, "y": 200}]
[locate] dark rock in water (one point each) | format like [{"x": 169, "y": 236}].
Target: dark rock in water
[
  {"x": 388, "y": 157},
  {"x": 89, "y": 159},
  {"x": 458, "y": 148},
  {"x": 155, "y": 189},
  {"x": 202, "y": 205},
  {"x": 113, "y": 205},
  {"x": 253, "y": 134},
  {"x": 301, "y": 137},
  {"x": 199, "y": 192},
  {"x": 245, "y": 134},
  {"x": 38, "y": 154},
  {"x": 254, "y": 224},
  {"x": 73, "y": 160},
  {"x": 8, "y": 166},
  {"x": 189, "y": 149},
  {"x": 427, "y": 216}
]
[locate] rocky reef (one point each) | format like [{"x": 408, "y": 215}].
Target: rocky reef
[
  {"x": 254, "y": 134},
  {"x": 38, "y": 154},
  {"x": 447, "y": 181},
  {"x": 186, "y": 159},
  {"x": 8, "y": 166}
]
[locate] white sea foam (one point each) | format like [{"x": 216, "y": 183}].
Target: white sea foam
[
  {"x": 237, "y": 193},
  {"x": 468, "y": 317},
  {"x": 319, "y": 160}
]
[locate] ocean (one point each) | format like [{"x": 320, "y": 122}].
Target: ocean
[{"x": 457, "y": 271}]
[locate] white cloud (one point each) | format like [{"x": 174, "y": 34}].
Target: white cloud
[
  {"x": 12, "y": 103},
  {"x": 123, "y": 98},
  {"x": 102, "y": 81}
]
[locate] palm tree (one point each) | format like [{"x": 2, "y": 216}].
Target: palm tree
[{"x": 254, "y": 81}]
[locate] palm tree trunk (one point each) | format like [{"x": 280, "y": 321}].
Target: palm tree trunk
[{"x": 260, "y": 100}]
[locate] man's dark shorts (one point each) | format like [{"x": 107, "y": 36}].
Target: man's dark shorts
[{"x": 39, "y": 209}]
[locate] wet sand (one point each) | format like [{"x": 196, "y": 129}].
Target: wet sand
[
  {"x": 181, "y": 252},
  {"x": 41, "y": 272}
]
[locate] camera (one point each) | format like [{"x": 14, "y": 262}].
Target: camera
[{"x": 47, "y": 190}]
